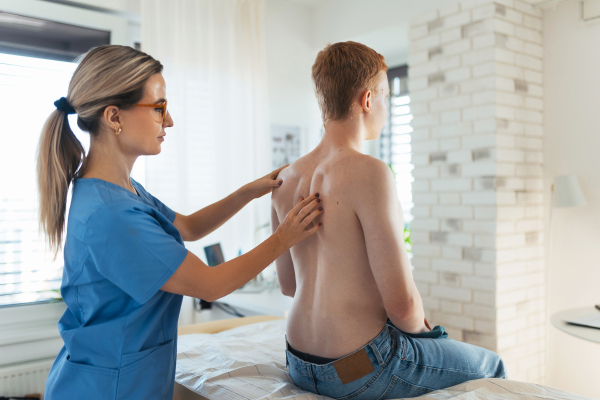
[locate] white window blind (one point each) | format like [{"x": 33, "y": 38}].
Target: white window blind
[
  {"x": 396, "y": 139},
  {"x": 28, "y": 87}
]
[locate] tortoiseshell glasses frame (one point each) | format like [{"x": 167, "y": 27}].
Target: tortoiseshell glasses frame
[{"x": 163, "y": 106}]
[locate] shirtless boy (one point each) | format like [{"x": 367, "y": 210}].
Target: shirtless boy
[{"x": 353, "y": 275}]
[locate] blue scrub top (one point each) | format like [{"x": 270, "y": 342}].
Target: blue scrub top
[{"x": 119, "y": 329}]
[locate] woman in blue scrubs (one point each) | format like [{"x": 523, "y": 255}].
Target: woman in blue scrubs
[{"x": 126, "y": 267}]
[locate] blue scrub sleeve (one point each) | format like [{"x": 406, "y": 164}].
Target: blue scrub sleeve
[
  {"x": 131, "y": 248},
  {"x": 166, "y": 211}
]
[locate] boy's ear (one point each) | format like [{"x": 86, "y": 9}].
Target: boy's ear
[{"x": 366, "y": 101}]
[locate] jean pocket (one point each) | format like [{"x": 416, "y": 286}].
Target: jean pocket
[
  {"x": 148, "y": 373},
  {"x": 82, "y": 381},
  {"x": 398, "y": 387}
]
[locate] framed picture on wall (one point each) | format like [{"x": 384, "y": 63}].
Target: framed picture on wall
[{"x": 285, "y": 145}]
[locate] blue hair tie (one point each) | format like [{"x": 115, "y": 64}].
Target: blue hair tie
[{"x": 63, "y": 105}]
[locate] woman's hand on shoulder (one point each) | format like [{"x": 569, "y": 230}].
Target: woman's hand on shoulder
[
  {"x": 265, "y": 185},
  {"x": 298, "y": 223}
]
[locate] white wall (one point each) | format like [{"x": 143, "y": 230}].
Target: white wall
[
  {"x": 478, "y": 253},
  {"x": 289, "y": 60},
  {"x": 571, "y": 145}
]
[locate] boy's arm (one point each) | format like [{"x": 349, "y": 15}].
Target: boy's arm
[{"x": 380, "y": 214}]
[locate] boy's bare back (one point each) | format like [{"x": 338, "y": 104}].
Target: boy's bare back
[{"x": 337, "y": 305}]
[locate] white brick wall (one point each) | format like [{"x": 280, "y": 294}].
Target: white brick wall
[{"x": 476, "y": 95}]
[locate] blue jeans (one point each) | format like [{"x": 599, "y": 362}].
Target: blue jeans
[{"x": 400, "y": 366}]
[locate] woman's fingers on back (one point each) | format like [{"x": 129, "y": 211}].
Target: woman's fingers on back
[
  {"x": 312, "y": 215},
  {"x": 293, "y": 211},
  {"x": 303, "y": 203},
  {"x": 294, "y": 227},
  {"x": 312, "y": 230},
  {"x": 308, "y": 208}
]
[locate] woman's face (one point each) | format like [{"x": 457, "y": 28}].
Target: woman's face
[{"x": 143, "y": 128}]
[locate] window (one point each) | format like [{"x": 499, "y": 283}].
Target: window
[
  {"x": 36, "y": 65},
  {"x": 29, "y": 87},
  {"x": 395, "y": 138}
]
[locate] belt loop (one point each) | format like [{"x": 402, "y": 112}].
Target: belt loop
[
  {"x": 311, "y": 376},
  {"x": 395, "y": 343},
  {"x": 287, "y": 349},
  {"x": 377, "y": 353}
]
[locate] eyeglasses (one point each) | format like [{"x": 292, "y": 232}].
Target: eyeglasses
[{"x": 162, "y": 107}]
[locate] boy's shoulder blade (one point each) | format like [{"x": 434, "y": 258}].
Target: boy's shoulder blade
[{"x": 368, "y": 167}]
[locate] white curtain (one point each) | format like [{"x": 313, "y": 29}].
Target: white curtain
[{"x": 213, "y": 54}]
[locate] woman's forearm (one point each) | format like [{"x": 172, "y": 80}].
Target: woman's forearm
[
  {"x": 206, "y": 220},
  {"x": 196, "y": 279},
  {"x": 203, "y": 222}
]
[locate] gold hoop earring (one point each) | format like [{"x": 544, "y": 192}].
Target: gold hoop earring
[{"x": 117, "y": 131}]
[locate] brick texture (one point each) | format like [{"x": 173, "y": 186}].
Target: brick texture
[{"x": 476, "y": 92}]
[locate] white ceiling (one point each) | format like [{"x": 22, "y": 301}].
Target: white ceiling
[{"x": 380, "y": 24}]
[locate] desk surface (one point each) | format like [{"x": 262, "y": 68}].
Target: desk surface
[{"x": 591, "y": 334}]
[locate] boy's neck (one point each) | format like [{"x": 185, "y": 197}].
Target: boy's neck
[{"x": 348, "y": 133}]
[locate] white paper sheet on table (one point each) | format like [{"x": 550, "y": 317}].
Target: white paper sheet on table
[
  {"x": 248, "y": 363},
  {"x": 239, "y": 364}
]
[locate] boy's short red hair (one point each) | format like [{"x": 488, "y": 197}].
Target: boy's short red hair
[{"x": 340, "y": 71}]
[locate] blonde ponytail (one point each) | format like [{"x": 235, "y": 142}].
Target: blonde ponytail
[
  {"x": 59, "y": 158},
  {"x": 106, "y": 75}
]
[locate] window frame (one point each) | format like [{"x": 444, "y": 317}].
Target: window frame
[
  {"x": 29, "y": 332},
  {"x": 386, "y": 145}
]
